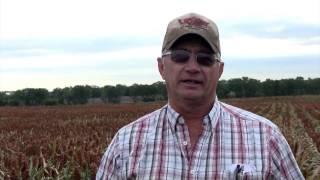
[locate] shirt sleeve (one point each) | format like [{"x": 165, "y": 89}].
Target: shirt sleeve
[
  {"x": 283, "y": 163},
  {"x": 109, "y": 169}
]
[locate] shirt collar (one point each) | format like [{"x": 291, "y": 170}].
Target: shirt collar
[{"x": 212, "y": 117}]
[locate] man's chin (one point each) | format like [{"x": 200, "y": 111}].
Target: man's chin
[{"x": 192, "y": 96}]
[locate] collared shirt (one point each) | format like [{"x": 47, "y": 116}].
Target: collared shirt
[{"x": 234, "y": 144}]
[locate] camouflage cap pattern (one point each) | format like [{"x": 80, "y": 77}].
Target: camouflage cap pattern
[{"x": 192, "y": 23}]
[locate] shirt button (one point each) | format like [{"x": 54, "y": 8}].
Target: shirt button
[
  {"x": 193, "y": 172},
  {"x": 185, "y": 143}
]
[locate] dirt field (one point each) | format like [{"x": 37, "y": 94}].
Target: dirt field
[{"x": 67, "y": 142}]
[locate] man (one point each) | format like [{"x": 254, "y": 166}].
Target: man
[{"x": 195, "y": 136}]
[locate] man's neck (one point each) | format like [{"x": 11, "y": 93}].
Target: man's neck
[
  {"x": 193, "y": 114},
  {"x": 191, "y": 110}
]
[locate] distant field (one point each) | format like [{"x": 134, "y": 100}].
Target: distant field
[{"x": 67, "y": 142}]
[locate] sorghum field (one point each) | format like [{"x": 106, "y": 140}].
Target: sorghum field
[{"x": 67, "y": 142}]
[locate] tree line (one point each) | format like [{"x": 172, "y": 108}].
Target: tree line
[{"x": 82, "y": 94}]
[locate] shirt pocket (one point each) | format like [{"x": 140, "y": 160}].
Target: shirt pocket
[
  {"x": 226, "y": 175},
  {"x": 250, "y": 176},
  {"x": 203, "y": 174}
]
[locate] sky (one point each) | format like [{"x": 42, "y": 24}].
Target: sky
[{"x": 62, "y": 43}]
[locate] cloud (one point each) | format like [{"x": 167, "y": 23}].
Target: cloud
[
  {"x": 126, "y": 58},
  {"x": 267, "y": 39},
  {"x": 126, "y": 66},
  {"x": 251, "y": 47},
  {"x": 81, "y": 18},
  {"x": 46, "y": 46},
  {"x": 277, "y": 29},
  {"x": 312, "y": 41},
  {"x": 105, "y": 42},
  {"x": 273, "y": 68}
]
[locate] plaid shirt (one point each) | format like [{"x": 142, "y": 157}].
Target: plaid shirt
[{"x": 234, "y": 144}]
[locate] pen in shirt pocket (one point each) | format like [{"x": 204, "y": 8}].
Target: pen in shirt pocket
[{"x": 239, "y": 172}]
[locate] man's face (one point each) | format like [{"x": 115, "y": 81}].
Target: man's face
[{"x": 190, "y": 80}]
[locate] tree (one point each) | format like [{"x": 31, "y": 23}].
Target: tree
[
  {"x": 299, "y": 86},
  {"x": 30, "y": 96},
  {"x": 80, "y": 94},
  {"x": 251, "y": 87},
  {"x": 222, "y": 89},
  {"x": 160, "y": 89},
  {"x": 58, "y": 95},
  {"x": 67, "y": 95},
  {"x": 268, "y": 87},
  {"x": 95, "y": 92},
  {"x": 313, "y": 86},
  {"x": 121, "y": 90},
  {"x": 110, "y": 94},
  {"x": 3, "y": 99},
  {"x": 236, "y": 86}
]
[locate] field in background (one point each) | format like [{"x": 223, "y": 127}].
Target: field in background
[{"x": 67, "y": 142}]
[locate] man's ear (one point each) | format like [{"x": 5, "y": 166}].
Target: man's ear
[
  {"x": 221, "y": 66},
  {"x": 161, "y": 67}
]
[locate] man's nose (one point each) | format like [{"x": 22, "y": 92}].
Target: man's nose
[{"x": 192, "y": 64}]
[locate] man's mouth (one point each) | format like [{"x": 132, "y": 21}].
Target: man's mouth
[{"x": 191, "y": 81}]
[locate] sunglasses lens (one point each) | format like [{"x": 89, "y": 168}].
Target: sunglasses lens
[
  {"x": 205, "y": 59},
  {"x": 180, "y": 56}
]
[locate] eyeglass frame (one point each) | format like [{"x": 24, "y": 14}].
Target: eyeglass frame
[{"x": 215, "y": 60}]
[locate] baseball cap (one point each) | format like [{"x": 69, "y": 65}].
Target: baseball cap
[{"x": 192, "y": 23}]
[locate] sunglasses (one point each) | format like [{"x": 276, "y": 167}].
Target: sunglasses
[{"x": 182, "y": 56}]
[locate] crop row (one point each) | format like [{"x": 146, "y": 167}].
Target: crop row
[{"x": 67, "y": 142}]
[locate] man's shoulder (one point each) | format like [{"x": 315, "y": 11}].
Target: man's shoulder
[
  {"x": 142, "y": 123},
  {"x": 245, "y": 115}
]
